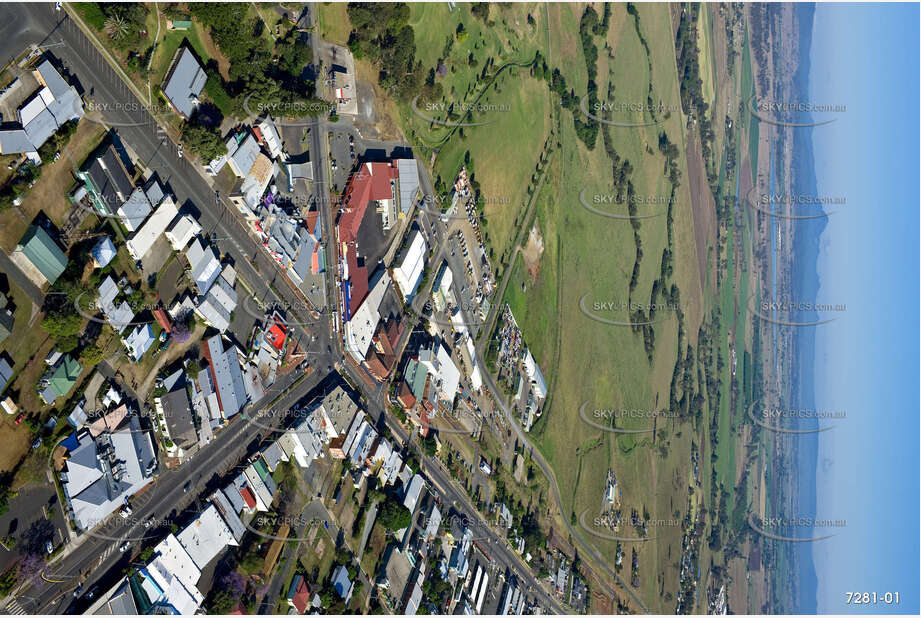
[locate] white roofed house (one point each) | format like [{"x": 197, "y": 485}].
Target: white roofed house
[
  {"x": 218, "y": 304},
  {"x": 119, "y": 317},
  {"x": 103, "y": 252},
  {"x": 182, "y": 231},
  {"x": 408, "y": 274},
  {"x": 49, "y": 108},
  {"x": 134, "y": 211},
  {"x": 269, "y": 137},
  {"x": 204, "y": 265},
  {"x": 139, "y": 340}
]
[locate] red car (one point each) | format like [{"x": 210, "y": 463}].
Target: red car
[{"x": 19, "y": 418}]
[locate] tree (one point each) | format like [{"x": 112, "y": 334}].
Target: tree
[
  {"x": 204, "y": 141},
  {"x": 91, "y": 355},
  {"x": 62, "y": 323},
  {"x": 393, "y": 515},
  {"x": 480, "y": 10}
]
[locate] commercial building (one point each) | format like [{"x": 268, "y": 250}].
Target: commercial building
[
  {"x": 102, "y": 471},
  {"x": 225, "y": 375},
  {"x": 408, "y": 274}
]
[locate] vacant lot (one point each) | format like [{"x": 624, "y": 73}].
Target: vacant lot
[{"x": 50, "y": 191}]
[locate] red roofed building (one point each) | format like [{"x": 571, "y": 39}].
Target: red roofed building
[
  {"x": 163, "y": 320},
  {"x": 248, "y": 497},
  {"x": 405, "y": 397},
  {"x": 299, "y": 594},
  {"x": 372, "y": 182},
  {"x": 276, "y": 336}
]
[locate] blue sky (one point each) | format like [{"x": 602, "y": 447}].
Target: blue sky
[{"x": 866, "y": 57}]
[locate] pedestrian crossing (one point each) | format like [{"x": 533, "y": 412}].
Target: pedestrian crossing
[{"x": 13, "y": 608}]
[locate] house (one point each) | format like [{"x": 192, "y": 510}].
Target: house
[
  {"x": 107, "y": 181},
  {"x": 204, "y": 265},
  {"x": 6, "y": 323},
  {"x": 102, "y": 471},
  {"x": 139, "y": 341},
  {"x": 342, "y": 584},
  {"x": 248, "y": 191},
  {"x": 135, "y": 210},
  {"x": 182, "y": 231},
  {"x": 119, "y": 317},
  {"x": 51, "y": 107},
  {"x": 413, "y": 492},
  {"x": 303, "y": 443},
  {"x": 103, "y": 252},
  {"x": 267, "y": 135},
  {"x": 408, "y": 275},
  {"x": 62, "y": 378},
  {"x": 299, "y": 594},
  {"x": 6, "y": 372},
  {"x": 184, "y": 82},
  {"x": 141, "y": 242},
  {"x": 226, "y": 376},
  {"x": 39, "y": 256},
  {"x": 218, "y": 305}
]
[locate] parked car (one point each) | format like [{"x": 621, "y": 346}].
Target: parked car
[
  {"x": 124, "y": 546},
  {"x": 19, "y": 418},
  {"x": 37, "y": 443},
  {"x": 185, "y": 488},
  {"x": 179, "y": 150},
  {"x": 49, "y": 547}
]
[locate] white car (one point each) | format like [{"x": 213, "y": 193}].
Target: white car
[{"x": 179, "y": 151}]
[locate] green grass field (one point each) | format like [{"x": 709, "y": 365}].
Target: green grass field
[{"x": 606, "y": 366}]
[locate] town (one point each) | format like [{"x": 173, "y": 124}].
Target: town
[{"x": 257, "y": 383}]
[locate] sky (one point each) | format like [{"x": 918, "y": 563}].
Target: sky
[{"x": 866, "y": 57}]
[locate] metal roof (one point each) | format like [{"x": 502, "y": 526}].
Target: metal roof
[
  {"x": 38, "y": 246},
  {"x": 185, "y": 82}
]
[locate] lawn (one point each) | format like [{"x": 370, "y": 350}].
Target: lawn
[
  {"x": 51, "y": 190},
  {"x": 587, "y": 361},
  {"x": 333, "y": 22}
]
